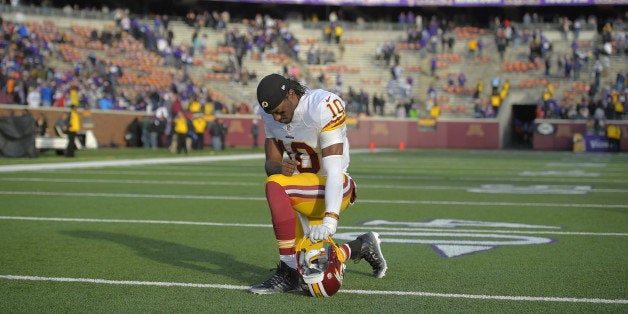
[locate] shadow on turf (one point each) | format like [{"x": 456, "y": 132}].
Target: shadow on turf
[{"x": 179, "y": 255}]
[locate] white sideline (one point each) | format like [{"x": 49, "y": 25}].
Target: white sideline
[
  {"x": 123, "y": 162},
  {"x": 363, "y": 292},
  {"x": 139, "y": 162}
]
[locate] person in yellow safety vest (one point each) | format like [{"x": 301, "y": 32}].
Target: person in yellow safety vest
[
  {"x": 478, "y": 89},
  {"x": 200, "y": 125},
  {"x": 613, "y": 133},
  {"x": 496, "y": 101},
  {"x": 181, "y": 130},
  {"x": 195, "y": 106},
  {"x": 327, "y": 33},
  {"x": 549, "y": 89},
  {"x": 337, "y": 33},
  {"x": 506, "y": 86},
  {"x": 73, "y": 125},
  {"x": 504, "y": 92},
  {"x": 208, "y": 109},
  {"x": 472, "y": 47},
  {"x": 435, "y": 112},
  {"x": 74, "y": 96}
]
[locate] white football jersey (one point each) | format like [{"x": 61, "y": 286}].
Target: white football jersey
[{"x": 318, "y": 119}]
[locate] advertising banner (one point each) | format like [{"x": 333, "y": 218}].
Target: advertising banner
[{"x": 595, "y": 143}]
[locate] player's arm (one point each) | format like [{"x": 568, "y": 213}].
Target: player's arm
[
  {"x": 332, "y": 164},
  {"x": 274, "y": 159},
  {"x": 331, "y": 160}
]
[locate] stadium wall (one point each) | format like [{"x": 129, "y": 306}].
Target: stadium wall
[{"x": 109, "y": 129}]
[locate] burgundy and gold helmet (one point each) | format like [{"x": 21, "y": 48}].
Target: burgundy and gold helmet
[{"x": 321, "y": 269}]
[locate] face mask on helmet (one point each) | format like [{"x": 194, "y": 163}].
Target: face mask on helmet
[{"x": 321, "y": 269}]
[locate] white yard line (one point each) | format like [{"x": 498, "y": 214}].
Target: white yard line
[
  {"x": 252, "y": 198},
  {"x": 140, "y": 162},
  {"x": 362, "y": 292},
  {"x": 129, "y": 181},
  {"x": 222, "y": 224}
]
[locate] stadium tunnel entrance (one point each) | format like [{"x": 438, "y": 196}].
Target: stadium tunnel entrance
[{"x": 522, "y": 124}]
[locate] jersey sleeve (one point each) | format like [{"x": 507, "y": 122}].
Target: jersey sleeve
[
  {"x": 333, "y": 117},
  {"x": 333, "y": 114}
]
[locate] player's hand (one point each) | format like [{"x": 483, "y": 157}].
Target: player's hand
[
  {"x": 289, "y": 166},
  {"x": 324, "y": 230}
]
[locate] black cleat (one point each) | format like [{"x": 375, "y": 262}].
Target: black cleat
[
  {"x": 372, "y": 253},
  {"x": 285, "y": 279}
]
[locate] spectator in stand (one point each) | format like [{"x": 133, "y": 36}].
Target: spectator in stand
[
  {"x": 243, "y": 108},
  {"x": 106, "y": 103},
  {"x": 620, "y": 82},
  {"x": 391, "y": 90},
  {"x": 402, "y": 18},
  {"x": 401, "y": 111},
  {"x": 488, "y": 111},
  {"x": 462, "y": 79},
  {"x": 395, "y": 72},
  {"x": 568, "y": 66},
  {"x": 378, "y": 104},
  {"x": 450, "y": 79},
  {"x": 478, "y": 111},
  {"x": 34, "y": 97},
  {"x": 338, "y": 83},
  {"x": 501, "y": 44},
  {"x": 46, "y": 94},
  {"x": 548, "y": 64},
  {"x": 495, "y": 82},
  {"x": 479, "y": 87}
]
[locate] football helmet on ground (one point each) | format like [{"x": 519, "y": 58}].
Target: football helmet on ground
[{"x": 321, "y": 270}]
